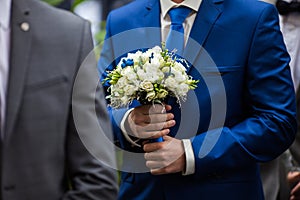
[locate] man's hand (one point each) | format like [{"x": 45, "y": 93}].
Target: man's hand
[
  {"x": 294, "y": 181},
  {"x": 165, "y": 157},
  {"x": 150, "y": 121}
]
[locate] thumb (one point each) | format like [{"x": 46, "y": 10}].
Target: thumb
[
  {"x": 167, "y": 138},
  {"x": 293, "y": 177}
]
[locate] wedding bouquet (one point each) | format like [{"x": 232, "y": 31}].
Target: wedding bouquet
[{"x": 149, "y": 77}]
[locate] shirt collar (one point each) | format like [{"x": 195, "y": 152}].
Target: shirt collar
[
  {"x": 166, "y": 5},
  {"x": 5, "y": 11}
]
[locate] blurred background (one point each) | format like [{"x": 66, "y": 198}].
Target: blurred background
[{"x": 95, "y": 11}]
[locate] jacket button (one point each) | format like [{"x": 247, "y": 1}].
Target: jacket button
[{"x": 9, "y": 187}]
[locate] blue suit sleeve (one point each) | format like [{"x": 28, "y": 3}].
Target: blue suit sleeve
[
  {"x": 107, "y": 62},
  {"x": 270, "y": 125}
]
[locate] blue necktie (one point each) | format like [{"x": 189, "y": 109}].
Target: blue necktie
[{"x": 175, "y": 39}]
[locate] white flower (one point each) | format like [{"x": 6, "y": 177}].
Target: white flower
[
  {"x": 165, "y": 69},
  {"x": 170, "y": 83},
  {"x": 182, "y": 89},
  {"x": 130, "y": 89},
  {"x": 127, "y": 71},
  {"x": 178, "y": 66},
  {"x": 122, "y": 82},
  {"x": 155, "y": 63},
  {"x": 156, "y": 49},
  {"x": 150, "y": 96},
  {"x": 151, "y": 67},
  {"x": 179, "y": 77},
  {"x": 162, "y": 93},
  {"x": 125, "y": 100},
  {"x": 155, "y": 72},
  {"x": 135, "y": 56},
  {"x": 147, "y": 86},
  {"x": 142, "y": 75}
]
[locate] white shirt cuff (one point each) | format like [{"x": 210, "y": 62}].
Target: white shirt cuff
[
  {"x": 189, "y": 158},
  {"x": 122, "y": 126}
]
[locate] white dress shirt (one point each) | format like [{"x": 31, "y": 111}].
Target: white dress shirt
[
  {"x": 5, "y": 11},
  {"x": 290, "y": 27},
  {"x": 166, "y": 5}
]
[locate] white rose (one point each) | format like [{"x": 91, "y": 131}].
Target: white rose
[
  {"x": 162, "y": 93},
  {"x": 147, "y": 86},
  {"x": 150, "y": 96}
]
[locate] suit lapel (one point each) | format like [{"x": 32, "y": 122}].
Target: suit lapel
[
  {"x": 19, "y": 57},
  {"x": 151, "y": 22},
  {"x": 208, "y": 13}
]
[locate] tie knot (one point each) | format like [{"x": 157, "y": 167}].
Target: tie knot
[{"x": 179, "y": 14}]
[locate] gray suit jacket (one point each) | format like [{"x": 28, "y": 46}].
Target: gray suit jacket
[{"x": 42, "y": 156}]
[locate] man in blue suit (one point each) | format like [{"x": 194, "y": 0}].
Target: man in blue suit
[{"x": 242, "y": 112}]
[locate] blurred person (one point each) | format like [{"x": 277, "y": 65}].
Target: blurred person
[
  {"x": 244, "y": 40},
  {"x": 293, "y": 175},
  {"x": 290, "y": 25},
  {"x": 42, "y": 156},
  {"x": 291, "y": 161},
  {"x": 270, "y": 1},
  {"x": 65, "y": 4}
]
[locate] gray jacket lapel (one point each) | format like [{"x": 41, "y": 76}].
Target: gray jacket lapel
[{"x": 19, "y": 58}]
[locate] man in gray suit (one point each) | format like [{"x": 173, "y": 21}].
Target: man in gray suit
[{"x": 42, "y": 155}]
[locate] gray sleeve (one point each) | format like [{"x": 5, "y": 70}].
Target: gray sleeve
[{"x": 90, "y": 158}]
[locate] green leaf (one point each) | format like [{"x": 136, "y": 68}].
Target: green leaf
[
  {"x": 76, "y": 3},
  {"x": 53, "y": 2}
]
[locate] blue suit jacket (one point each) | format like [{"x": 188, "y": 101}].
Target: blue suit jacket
[{"x": 243, "y": 110}]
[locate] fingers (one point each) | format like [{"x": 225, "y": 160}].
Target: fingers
[
  {"x": 296, "y": 191},
  {"x": 150, "y": 121},
  {"x": 158, "y": 126},
  {"x": 153, "y": 134},
  {"x": 155, "y": 163},
  {"x": 293, "y": 177},
  {"x": 165, "y": 170},
  {"x": 153, "y": 109},
  {"x": 157, "y": 122},
  {"x": 168, "y": 107},
  {"x": 150, "y": 147},
  {"x": 140, "y": 117},
  {"x": 293, "y": 197},
  {"x": 165, "y": 157}
]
